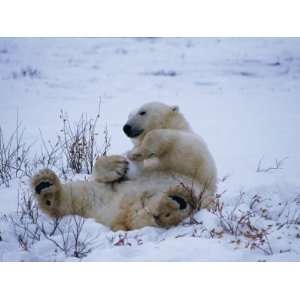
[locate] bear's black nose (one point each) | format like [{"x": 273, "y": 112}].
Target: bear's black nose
[{"x": 127, "y": 129}]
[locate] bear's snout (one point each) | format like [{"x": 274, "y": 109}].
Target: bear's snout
[
  {"x": 131, "y": 131},
  {"x": 127, "y": 129}
]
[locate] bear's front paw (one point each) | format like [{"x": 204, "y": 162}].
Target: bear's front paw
[
  {"x": 110, "y": 168},
  {"x": 46, "y": 187},
  {"x": 135, "y": 155}
]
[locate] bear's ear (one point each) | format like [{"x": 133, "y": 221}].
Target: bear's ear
[{"x": 175, "y": 108}]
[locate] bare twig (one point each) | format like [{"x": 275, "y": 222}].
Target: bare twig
[
  {"x": 69, "y": 238},
  {"x": 277, "y": 166}
]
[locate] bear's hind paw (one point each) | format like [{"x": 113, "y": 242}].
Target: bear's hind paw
[
  {"x": 46, "y": 187},
  {"x": 173, "y": 207}
]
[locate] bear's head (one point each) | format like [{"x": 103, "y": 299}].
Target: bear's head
[{"x": 153, "y": 115}]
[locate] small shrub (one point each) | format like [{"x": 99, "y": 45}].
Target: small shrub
[
  {"x": 14, "y": 155},
  {"x": 68, "y": 236},
  {"x": 73, "y": 151},
  {"x": 241, "y": 223},
  {"x": 79, "y": 142},
  {"x": 25, "y": 221}
]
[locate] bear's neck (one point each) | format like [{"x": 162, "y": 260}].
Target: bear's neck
[{"x": 177, "y": 122}]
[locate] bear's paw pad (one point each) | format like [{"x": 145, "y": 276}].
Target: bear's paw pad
[
  {"x": 180, "y": 201},
  {"x": 42, "y": 185}
]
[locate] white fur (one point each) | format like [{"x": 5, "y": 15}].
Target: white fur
[{"x": 168, "y": 144}]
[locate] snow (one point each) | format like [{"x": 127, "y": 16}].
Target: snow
[{"x": 240, "y": 95}]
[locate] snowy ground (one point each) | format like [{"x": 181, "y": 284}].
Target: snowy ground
[{"x": 241, "y": 95}]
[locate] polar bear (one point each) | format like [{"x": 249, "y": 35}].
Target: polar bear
[
  {"x": 183, "y": 179},
  {"x": 164, "y": 141},
  {"x": 155, "y": 199}
]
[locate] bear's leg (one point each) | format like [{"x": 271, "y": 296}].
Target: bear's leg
[
  {"x": 47, "y": 189},
  {"x": 58, "y": 200},
  {"x": 110, "y": 168},
  {"x": 154, "y": 145},
  {"x": 134, "y": 213},
  {"x": 155, "y": 209}
]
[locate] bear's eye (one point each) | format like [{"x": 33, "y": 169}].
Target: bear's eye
[{"x": 142, "y": 113}]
